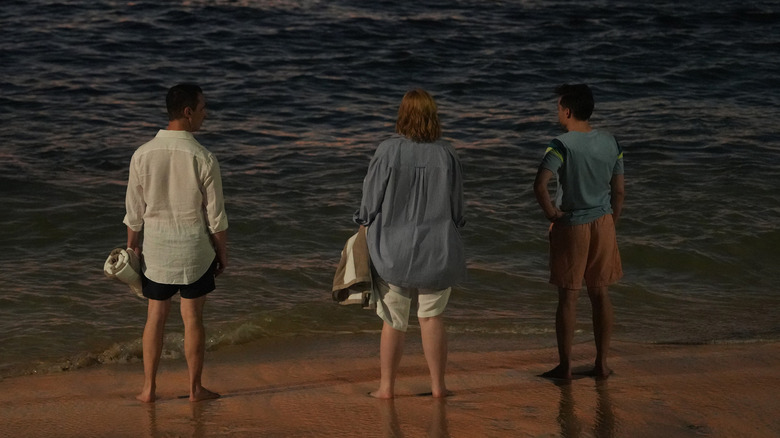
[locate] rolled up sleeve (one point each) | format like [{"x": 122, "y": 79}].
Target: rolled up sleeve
[
  {"x": 618, "y": 168},
  {"x": 135, "y": 205},
  {"x": 213, "y": 200},
  {"x": 374, "y": 185}
]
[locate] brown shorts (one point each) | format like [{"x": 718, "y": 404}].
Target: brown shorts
[{"x": 588, "y": 251}]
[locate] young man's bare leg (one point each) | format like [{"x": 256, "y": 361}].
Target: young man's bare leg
[
  {"x": 156, "y": 315},
  {"x": 391, "y": 349},
  {"x": 603, "y": 319},
  {"x": 195, "y": 346},
  {"x": 434, "y": 341},
  {"x": 565, "y": 321}
]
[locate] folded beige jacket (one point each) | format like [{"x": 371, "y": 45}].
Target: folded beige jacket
[{"x": 352, "y": 283}]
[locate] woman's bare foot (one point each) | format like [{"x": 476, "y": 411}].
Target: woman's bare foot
[
  {"x": 382, "y": 395},
  {"x": 201, "y": 394},
  {"x": 146, "y": 397}
]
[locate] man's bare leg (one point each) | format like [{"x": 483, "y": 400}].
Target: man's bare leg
[
  {"x": 156, "y": 315},
  {"x": 434, "y": 341},
  {"x": 603, "y": 319},
  {"x": 195, "y": 346},
  {"x": 565, "y": 321},
  {"x": 391, "y": 349}
]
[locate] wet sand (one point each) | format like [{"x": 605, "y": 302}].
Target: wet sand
[{"x": 318, "y": 388}]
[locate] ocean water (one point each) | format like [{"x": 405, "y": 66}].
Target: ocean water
[{"x": 300, "y": 93}]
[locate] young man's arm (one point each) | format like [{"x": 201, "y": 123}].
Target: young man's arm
[{"x": 543, "y": 177}]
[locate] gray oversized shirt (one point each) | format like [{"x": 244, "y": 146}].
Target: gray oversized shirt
[{"x": 413, "y": 206}]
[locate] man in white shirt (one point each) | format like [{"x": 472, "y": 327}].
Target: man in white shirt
[{"x": 175, "y": 208}]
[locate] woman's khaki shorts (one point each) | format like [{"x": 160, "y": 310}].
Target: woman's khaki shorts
[
  {"x": 588, "y": 251},
  {"x": 394, "y": 303}
]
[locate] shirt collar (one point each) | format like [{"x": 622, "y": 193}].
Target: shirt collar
[{"x": 174, "y": 134}]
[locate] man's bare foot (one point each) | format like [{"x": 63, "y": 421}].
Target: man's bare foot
[
  {"x": 203, "y": 394},
  {"x": 600, "y": 373},
  {"x": 382, "y": 395},
  {"x": 559, "y": 372},
  {"x": 442, "y": 394},
  {"x": 145, "y": 397}
]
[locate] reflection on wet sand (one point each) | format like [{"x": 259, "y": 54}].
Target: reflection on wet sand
[
  {"x": 151, "y": 427},
  {"x": 160, "y": 423},
  {"x": 605, "y": 416},
  {"x": 438, "y": 427},
  {"x": 572, "y": 426}
]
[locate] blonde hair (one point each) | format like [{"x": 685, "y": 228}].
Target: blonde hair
[{"x": 418, "y": 118}]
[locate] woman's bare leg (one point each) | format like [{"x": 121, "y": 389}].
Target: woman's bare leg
[
  {"x": 434, "y": 341},
  {"x": 391, "y": 349}
]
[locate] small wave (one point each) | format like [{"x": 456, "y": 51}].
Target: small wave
[
  {"x": 760, "y": 340},
  {"x": 129, "y": 352},
  {"x": 524, "y": 330}
]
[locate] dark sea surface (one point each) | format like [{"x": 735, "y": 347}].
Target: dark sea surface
[{"x": 299, "y": 94}]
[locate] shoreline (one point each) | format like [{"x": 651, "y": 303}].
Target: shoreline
[{"x": 318, "y": 387}]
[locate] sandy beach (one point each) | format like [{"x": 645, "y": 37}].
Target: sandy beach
[{"x": 318, "y": 388}]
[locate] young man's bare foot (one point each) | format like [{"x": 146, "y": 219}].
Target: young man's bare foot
[
  {"x": 203, "y": 394},
  {"x": 559, "y": 372},
  {"x": 382, "y": 395}
]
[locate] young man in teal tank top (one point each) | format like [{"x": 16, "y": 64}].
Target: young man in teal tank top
[{"x": 588, "y": 164}]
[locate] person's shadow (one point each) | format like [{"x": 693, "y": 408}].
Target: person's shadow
[
  {"x": 438, "y": 427},
  {"x": 572, "y": 426}
]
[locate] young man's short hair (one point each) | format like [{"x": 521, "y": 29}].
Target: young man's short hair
[{"x": 577, "y": 98}]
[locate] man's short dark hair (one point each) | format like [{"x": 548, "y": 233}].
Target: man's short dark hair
[
  {"x": 578, "y": 98},
  {"x": 180, "y": 97}
]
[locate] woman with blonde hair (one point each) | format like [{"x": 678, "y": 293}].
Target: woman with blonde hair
[{"x": 412, "y": 207}]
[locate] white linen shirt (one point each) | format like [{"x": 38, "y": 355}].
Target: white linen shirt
[{"x": 174, "y": 194}]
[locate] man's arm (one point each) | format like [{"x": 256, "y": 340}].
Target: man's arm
[
  {"x": 134, "y": 241},
  {"x": 219, "y": 240},
  {"x": 617, "y": 194},
  {"x": 551, "y": 212}
]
